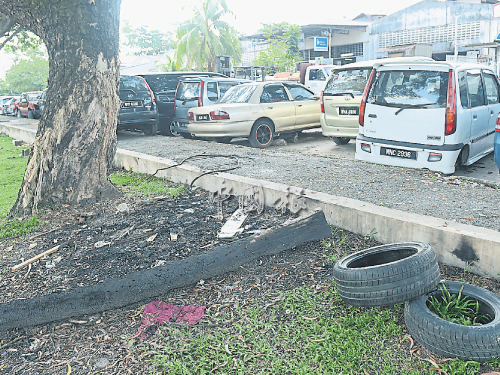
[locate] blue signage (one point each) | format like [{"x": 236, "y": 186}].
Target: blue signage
[{"x": 320, "y": 43}]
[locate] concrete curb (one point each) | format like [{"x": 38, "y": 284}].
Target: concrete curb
[{"x": 466, "y": 246}]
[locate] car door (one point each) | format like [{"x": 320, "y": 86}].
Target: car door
[
  {"x": 307, "y": 107},
  {"x": 478, "y": 111},
  {"x": 276, "y": 105},
  {"x": 493, "y": 101},
  {"x": 23, "y": 105}
]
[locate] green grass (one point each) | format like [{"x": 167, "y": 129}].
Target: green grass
[
  {"x": 145, "y": 185},
  {"x": 12, "y": 168},
  {"x": 309, "y": 332}
]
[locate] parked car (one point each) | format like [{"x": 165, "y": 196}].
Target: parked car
[
  {"x": 138, "y": 109},
  {"x": 197, "y": 92},
  {"x": 3, "y": 102},
  {"x": 9, "y": 107},
  {"x": 42, "y": 101},
  {"x": 28, "y": 105},
  {"x": 260, "y": 111},
  {"x": 164, "y": 85},
  {"x": 341, "y": 97},
  {"x": 435, "y": 115},
  {"x": 315, "y": 76},
  {"x": 496, "y": 144}
]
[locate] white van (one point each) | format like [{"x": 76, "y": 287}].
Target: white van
[
  {"x": 434, "y": 115},
  {"x": 342, "y": 94}
]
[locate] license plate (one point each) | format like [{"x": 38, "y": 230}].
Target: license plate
[
  {"x": 397, "y": 153},
  {"x": 201, "y": 117},
  {"x": 348, "y": 111},
  {"x": 131, "y": 104}
]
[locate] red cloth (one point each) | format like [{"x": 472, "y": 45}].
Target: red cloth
[{"x": 159, "y": 312}]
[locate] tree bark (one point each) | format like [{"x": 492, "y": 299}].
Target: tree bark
[{"x": 76, "y": 139}]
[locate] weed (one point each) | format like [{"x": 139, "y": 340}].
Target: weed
[
  {"x": 19, "y": 228},
  {"x": 457, "y": 308},
  {"x": 145, "y": 184}
]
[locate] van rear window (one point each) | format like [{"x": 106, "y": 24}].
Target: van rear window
[
  {"x": 398, "y": 88},
  {"x": 347, "y": 81},
  {"x": 188, "y": 91}
]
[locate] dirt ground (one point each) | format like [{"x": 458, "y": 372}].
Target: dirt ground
[{"x": 108, "y": 240}]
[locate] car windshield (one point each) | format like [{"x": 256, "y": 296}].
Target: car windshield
[
  {"x": 398, "y": 88},
  {"x": 132, "y": 83},
  {"x": 162, "y": 83},
  {"x": 34, "y": 96},
  {"x": 188, "y": 91},
  {"x": 328, "y": 70},
  {"x": 347, "y": 81},
  {"x": 238, "y": 94}
]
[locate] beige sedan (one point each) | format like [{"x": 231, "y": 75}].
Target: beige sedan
[{"x": 260, "y": 111}]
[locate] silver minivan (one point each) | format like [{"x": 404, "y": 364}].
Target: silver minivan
[
  {"x": 198, "y": 92},
  {"x": 434, "y": 115}
]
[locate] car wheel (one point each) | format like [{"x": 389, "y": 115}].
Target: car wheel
[
  {"x": 462, "y": 158},
  {"x": 341, "y": 140},
  {"x": 151, "y": 130},
  {"x": 388, "y": 274},
  {"x": 30, "y": 114},
  {"x": 262, "y": 134},
  {"x": 477, "y": 342},
  {"x": 171, "y": 130}
]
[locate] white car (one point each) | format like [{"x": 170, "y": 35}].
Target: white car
[
  {"x": 259, "y": 110},
  {"x": 436, "y": 115}
]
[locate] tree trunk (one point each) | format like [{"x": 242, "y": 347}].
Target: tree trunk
[{"x": 76, "y": 139}]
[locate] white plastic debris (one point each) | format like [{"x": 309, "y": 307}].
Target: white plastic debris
[
  {"x": 122, "y": 207},
  {"x": 101, "y": 244}
]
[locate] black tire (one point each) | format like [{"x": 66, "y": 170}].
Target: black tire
[
  {"x": 262, "y": 134},
  {"x": 341, "y": 140},
  {"x": 388, "y": 274},
  {"x": 30, "y": 114},
  {"x": 462, "y": 158},
  {"x": 150, "y": 130},
  {"x": 479, "y": 343},
  {"x": 186, "y": 135},
  {"x": 174, "y": 133},
  {"x": 223, "y": 139}
]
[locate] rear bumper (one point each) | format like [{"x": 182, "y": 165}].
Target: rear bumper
[
  {"x": 345, "y": 127},
  {"x": 446, "y": 164},
  {"x": 217, "y": 129},
  {"x": 138, "y": 119}
]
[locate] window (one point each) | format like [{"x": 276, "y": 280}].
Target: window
[
  {"x": 188, "y": 91},
  {"x": 462, "y": 87},
  {"x": 476, "y": 92},
  {"x": 313, "y": 74},
  {"x": 212, "y": 94},
  {"x": 273, "y": 93},
  {"x": 347, "y": 81},
  {"x": 132, "y": 83},
  {"x": 491, "y": 85},
  {"x": 224, "y": 86},
  {"x": 238, "y": 94},
  {"x": 300, "y": 93},
  {"x": 398, "y": 88}
]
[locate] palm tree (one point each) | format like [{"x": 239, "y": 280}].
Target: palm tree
[{"x": 206, "y": 36}]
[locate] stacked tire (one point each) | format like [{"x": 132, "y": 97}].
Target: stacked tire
[{"x": 409, "y": 272}]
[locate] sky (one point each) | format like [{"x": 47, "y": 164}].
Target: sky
[{"x": 250, "y": 14}]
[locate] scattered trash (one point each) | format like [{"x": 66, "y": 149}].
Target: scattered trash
[
  {"x": 35, "y": 258},
  {"x": 152, "y": 238},
  {"x": 173, "y": 237},
  {"x": 25, "y": 153},
  {"x": 17, "y": 142},
  {"x": 32, "y": 245},
  {"x": 101, "y": 244},
  {"x": 102, "y": 362},
  {"x": 158, "y": 312},
  {"x": 122, "y": 207},
  {"x": 35, "y": 344},
  {"x": 233, "y": 224},
  {"x": 159, "y": 263},
  {"x": 189, "y": 210}
]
